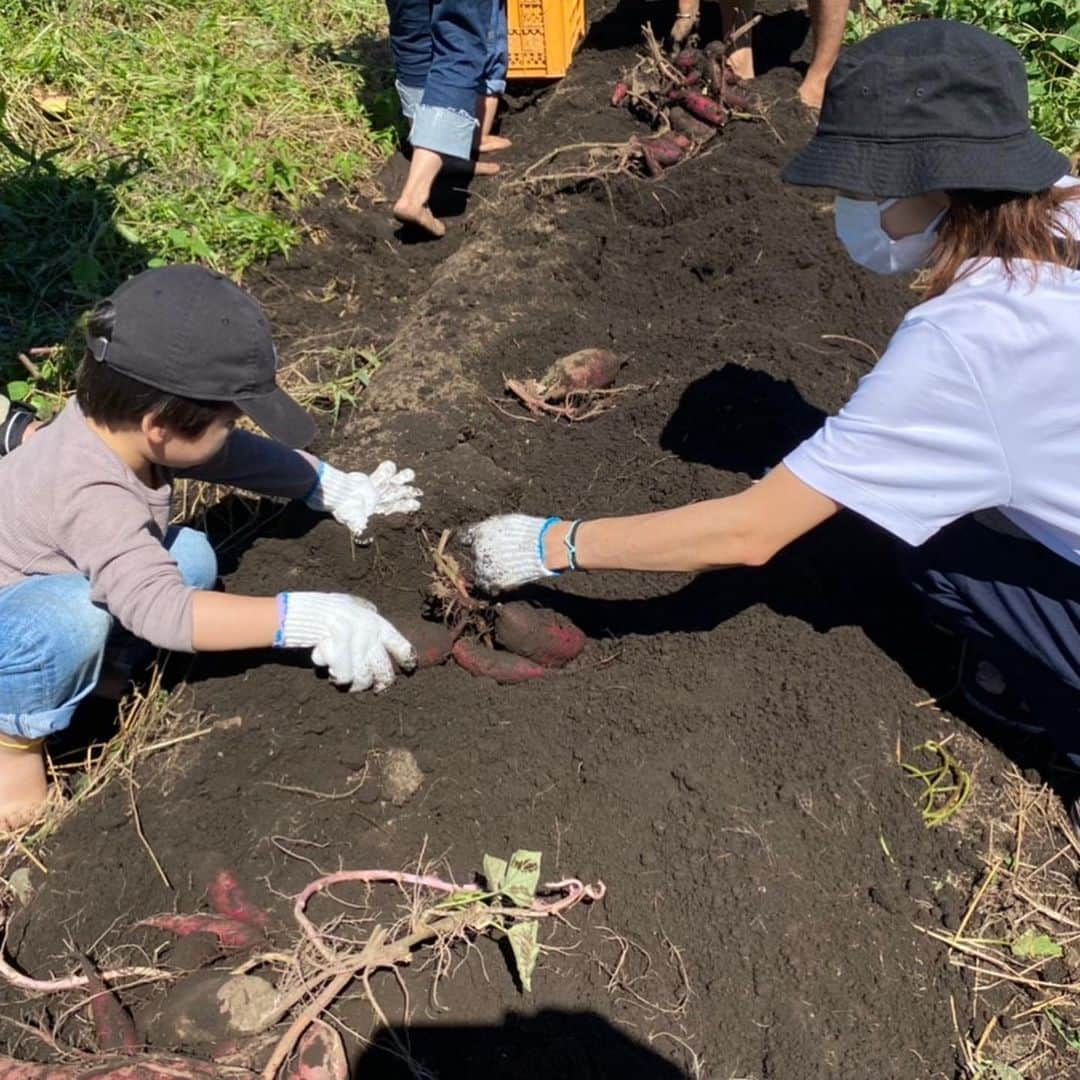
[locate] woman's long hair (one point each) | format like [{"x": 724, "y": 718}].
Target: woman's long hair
[{"x": 1004, "y": 225}]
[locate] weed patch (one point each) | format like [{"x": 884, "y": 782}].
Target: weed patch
[{"x": 137, "y": 133}]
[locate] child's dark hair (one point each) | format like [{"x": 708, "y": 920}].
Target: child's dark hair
[{"x": 118, "y": 401}]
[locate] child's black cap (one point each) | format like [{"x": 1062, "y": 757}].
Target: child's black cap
[{"x": 192, "y": 332}]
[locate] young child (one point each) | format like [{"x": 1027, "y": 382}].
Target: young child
[
  {"x": 440, "y": 52},
  {"x": 173, "y": 359}
]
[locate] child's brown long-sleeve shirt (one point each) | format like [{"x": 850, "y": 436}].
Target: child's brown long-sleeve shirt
[{"x": 69, "y": 505}]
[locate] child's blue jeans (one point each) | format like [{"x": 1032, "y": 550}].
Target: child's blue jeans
[
  {"x": 498, "y": 51},
  {"x": 53, "y": 639},
  {"x": 440, "y": 52}
]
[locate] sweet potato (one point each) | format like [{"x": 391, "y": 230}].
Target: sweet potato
[
  {"x": 431, "y": 640},
  {"x": 227, "y": 896},
  {"x": 688, "y": 60},
  {"x": 503, "y": 667},
  {"x": 619, "y": 94},
  {"x": 158, "y": 1067},
  {"x": 232, "y": 933},
  {"x": 538, "y": 634},
  {"x": 320, "y": 1055},
  {"x": 736, "y": 99},
  {"x": 705, "y": 109},
  {"x": 587, "y": 369},
  {"x": 685, "y": 124},
  {"x": 115, "y": 1030}
]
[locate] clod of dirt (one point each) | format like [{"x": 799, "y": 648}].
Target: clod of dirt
[
  {"x": 431, "y": 640},
  {"x": 399, "y": 776},
  {"x": 209, "y": 1007},
  {"x": 538, "y": 634}
]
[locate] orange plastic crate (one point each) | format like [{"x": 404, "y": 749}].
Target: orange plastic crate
[{"x": 543, "y": 36}]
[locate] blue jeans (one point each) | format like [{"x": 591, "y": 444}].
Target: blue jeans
[
  {"x": 498, "y": 51},
  {"x": 440, "y": 51},
  {"x": 54, "y": 639},
  {"x": 1019, "y": 603}
]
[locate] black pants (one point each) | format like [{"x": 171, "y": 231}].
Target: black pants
[{"x": 1019, "y": 604}]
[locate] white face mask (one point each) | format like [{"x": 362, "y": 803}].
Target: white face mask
[{"x": 858, "y": 225}]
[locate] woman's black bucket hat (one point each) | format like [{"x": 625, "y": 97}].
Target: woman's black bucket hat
[{"x": 927, "y": 106}]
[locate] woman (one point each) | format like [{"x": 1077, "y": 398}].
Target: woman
[{"x": 964, "y": 441}]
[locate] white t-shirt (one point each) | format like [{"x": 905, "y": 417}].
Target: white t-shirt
[{"x": 975, "y": 404}]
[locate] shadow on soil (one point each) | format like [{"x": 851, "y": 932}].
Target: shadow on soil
[
  {"x": 550, "y": 1044},
  {"x": 60, "y": 250}
]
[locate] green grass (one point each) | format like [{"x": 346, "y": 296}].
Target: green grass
[
  {"x": 1047, "y": 33},
  {"x": 141, "y": 131}
]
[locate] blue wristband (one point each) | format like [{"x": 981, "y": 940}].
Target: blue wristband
[
  {"x": 540, "y": 542},
  {"x": 282, "y": 599}
]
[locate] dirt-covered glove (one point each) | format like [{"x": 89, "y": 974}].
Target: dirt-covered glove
[
  {"x": 353, "y": 497},
  {"x": 508, "y": 551},
  {"x": 346, "y": 635}
]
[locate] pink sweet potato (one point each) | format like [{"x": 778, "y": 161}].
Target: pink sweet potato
[
  {"x": 227, "y": 896},
  {"x": 704, "y": 108},
  {"x": 687, "y": 60},
  {"x": 431, "y": 640},
  {"x": 158, "y": 1067},
  {"x": 232, "y": 933},
  {"x": 503, "y": 667},
  {"x": 538, "y": 634},
  {"x": 587, "y": 369},
  {"x": 619, "y": 94},
  {"x": 685, "y": 124},
  {"x": 320, "y": 1055},
  {"x": 114, "y": 1027}
]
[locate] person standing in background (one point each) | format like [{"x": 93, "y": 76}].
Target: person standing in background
[
  {"x": 440, "y": 52},
  {"x": 827, "y": 19}
]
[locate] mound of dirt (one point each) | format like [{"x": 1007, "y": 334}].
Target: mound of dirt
[{"x": 724, "y": 754}]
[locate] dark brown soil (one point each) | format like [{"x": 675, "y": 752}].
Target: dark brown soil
[{"x": 724, "y": 754}]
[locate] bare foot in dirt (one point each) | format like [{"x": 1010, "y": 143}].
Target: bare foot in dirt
[
  {"x": 812, "y": 93},
  {"x": 492, "y": 144},
  {"x": 741, "y": 61},
  {"x": 420, "y": 216},
  {"x": 23, "y": 786}
]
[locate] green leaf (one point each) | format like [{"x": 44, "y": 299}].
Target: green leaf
[
  {"x": 526, "y": 949},
  {"x": 494, "y": 872},
  {"x": 19, "y": 390},
  {"x": 522, "y": 877},
  {"x": 1031, "y": 945},
  {"x": 86, "y": 273}
]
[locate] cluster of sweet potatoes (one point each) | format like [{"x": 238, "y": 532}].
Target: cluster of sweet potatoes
[
  {"x": 519, "y": 643},
  {"x": 686, "y": 99}
]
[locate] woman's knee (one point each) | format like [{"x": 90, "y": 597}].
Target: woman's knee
[{"x": 195, "y": 556}]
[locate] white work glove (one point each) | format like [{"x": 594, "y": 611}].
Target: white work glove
[
  {"x": 354, "y": 497},
  {"x": 506, "y": 551},
  {"x": 346, "y": 635}
]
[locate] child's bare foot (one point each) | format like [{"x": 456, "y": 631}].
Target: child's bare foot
[
  {"x": 492, "y": 144},
  {"x": 23, "y": 786},
  {"x": 420, "y": 216}
]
